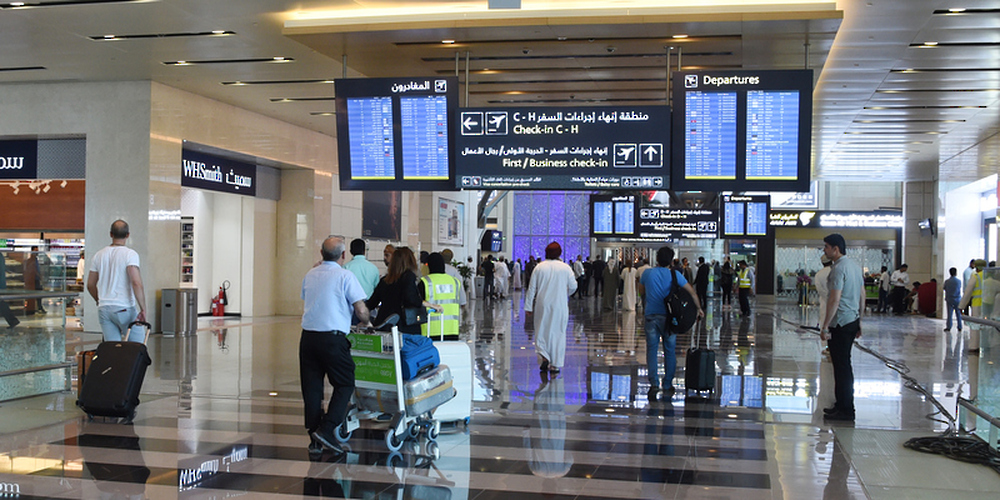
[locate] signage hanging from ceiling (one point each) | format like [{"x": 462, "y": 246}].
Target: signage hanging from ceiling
[
  {"x": 215, "y": 173},
  {"x": 838, "y": 219},
  {"x": 569, "y": 148},
  {"x": 742, "y": 130},
  {"x": 745, "y": 216},
  {"x": 625, "y": 217},
  {"x": 395, "y": 134},
  {"x": 19, "y": 159}
]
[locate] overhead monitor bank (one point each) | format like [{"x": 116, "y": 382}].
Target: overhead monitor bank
[
  {"x": 731, "y": 131},
  {"x": 742, "y": 130},
  {"x": 395, "y": 134}
]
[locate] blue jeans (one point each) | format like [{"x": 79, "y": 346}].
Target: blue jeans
[
  {"x": 953, "y": 309},
  {"x": 656, "y": 329},
  {"x": 115, "y": 320},
  {"x": 841, "y": 342}
]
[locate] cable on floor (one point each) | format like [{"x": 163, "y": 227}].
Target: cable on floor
[{"x": 965, "y": 448}]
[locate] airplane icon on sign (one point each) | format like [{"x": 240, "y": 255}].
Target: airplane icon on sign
[
  {"x": 496, "y": 123},
  {"x": 625, "y": 155}
]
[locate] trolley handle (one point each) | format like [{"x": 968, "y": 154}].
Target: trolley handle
[{"x": 387, "y": 325}]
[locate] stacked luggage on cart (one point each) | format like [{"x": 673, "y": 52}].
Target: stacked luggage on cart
[{"x": 383, "y": 372}]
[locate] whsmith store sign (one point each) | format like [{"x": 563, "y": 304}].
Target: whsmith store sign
[
  {"x": 827, "y": 219},
  {"x": 19, "y": 159},
  {"x": 214, "y": 173}
]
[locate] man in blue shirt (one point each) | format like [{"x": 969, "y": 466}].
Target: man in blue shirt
[
  {"x": 363, "y": 269},
  {"x": 842, "y": 323},
  {"x": 331, "y": 294},
  {"x": 655, "y": 285},
  {"x": 952, "y": 297}
]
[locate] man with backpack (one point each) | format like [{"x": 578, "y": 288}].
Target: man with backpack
[{"x": 656, "y": 284}]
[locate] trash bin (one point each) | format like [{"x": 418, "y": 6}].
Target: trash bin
[{"x": 179, "y": 311}]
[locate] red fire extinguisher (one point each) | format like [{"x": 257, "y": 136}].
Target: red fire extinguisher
[{"x": 220, "y": 302}]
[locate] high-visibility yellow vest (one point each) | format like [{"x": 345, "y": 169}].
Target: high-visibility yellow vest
[
  {"x": 745, "y": 278},
  {"x": 441, "y": 290},
  {"x": 977, "y": 292}
]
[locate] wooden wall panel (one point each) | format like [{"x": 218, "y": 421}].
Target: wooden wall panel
[{"x": 60, "y": 209}]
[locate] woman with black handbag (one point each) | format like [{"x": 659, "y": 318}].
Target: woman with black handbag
[{"x": 397, "y": 293}]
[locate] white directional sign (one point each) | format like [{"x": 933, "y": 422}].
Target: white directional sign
[
  {"x": 472, "y": 123},
  {"x": 650, "y": 155}
]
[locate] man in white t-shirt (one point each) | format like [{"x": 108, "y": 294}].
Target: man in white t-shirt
[{"x": 116, "y": 285}]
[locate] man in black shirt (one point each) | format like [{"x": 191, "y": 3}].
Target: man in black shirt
[
  {"x": 701, "y": 281},
  {"x": 598, "y": 267}
]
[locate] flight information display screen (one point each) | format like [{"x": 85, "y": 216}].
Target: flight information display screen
[
  {"x": 604, "y": 216},
  {"x": 395, "y": 134},
  {"x": 566, "y": 148},
  {"x": 742, "y": 130},
  {"x": 710, "y": 123},
  {"x": 371, "y": 146},
  {"x": 425, "y": 137},
  {"x": 625, "y": 217},
  {"x": 735, "y": 219},
  {"x": 772, "y": 135},
  {"x": 634, "y": 218},
  {"x": 745, "y": 216}
]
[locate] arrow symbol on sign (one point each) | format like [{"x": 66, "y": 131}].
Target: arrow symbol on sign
[
  {"x": 469, "y": 122},
  {"x": 651, "y": 152}
]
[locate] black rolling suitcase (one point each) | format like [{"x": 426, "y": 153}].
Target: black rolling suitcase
[
  {"x": 112, "y": 383},
  {"x": 699, "y": 370}
]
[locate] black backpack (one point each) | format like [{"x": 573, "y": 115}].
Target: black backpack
[{"x": 681, "y": 311}]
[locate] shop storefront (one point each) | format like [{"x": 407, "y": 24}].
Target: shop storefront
[{"x": 873, "y": 240}]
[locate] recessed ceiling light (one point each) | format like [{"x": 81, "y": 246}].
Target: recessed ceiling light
[
  {"x": 956, "y": 11},
  {"x": 447, "y": 42},
  {"x": 109, "y": 37},
  {"x": 930, "y": 44},
  {"x": 279, "y": 59},
  {"x": 679, "y": 36},
  {"x": 17, "y": 4},
  {"x": 218, "y": 32}
]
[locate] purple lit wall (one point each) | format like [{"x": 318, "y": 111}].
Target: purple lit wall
[{"x": 543, "y": 217}]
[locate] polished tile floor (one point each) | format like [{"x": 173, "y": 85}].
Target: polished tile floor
[{"x": 221, "y": 417}]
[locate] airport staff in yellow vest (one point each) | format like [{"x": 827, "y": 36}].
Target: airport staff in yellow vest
[
  {"x": 441, "y": 289},
  {"x": 973, "y": 295}
]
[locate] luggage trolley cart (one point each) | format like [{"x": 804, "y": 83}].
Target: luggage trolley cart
[{"x": 378, "y": 377}]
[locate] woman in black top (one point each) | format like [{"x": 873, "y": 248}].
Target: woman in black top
[{"x": 398, "y": 289}]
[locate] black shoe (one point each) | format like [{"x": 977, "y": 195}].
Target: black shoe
[
  {"x": 544, "y": 366},
  {"x": 829, "y": 411},
  {"x": 326, "y": 440},
  {"x": 315, "y": 449},
  {"x": 839, "y": 416},
  {"x": 652, "y": 394}
]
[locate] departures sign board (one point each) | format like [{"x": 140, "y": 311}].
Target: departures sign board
[
  {"x": 746, "y": 216},
  {"x": 394, "y": 134},
  {"x": 566, "y": 148},
  {"x": 629, "y": 218},
  {"x": 742, "y": 130}
]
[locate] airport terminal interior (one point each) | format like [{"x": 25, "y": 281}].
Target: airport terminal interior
[
  {"x": 123, "y": 106},
  {"x": 221, "y": 417}
]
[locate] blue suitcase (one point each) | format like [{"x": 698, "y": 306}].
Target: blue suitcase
[{"x": 418, "y": 355}]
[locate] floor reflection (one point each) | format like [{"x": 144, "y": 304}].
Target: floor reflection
[{"x": 221, "y": 415}]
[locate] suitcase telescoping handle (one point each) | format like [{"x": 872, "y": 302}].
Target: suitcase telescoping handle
[{"x": 147, "y": 326}]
